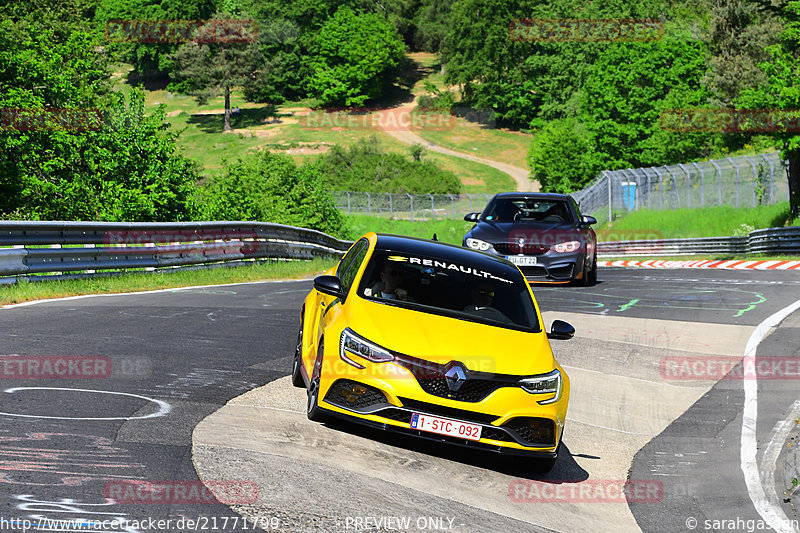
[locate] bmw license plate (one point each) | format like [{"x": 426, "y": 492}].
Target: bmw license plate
[
  {"x": 522, "y": 260},
  {"x": 445, "y": 426}
]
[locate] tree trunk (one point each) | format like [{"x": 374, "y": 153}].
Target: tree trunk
[
  {"x": 794, "y": 184},
  {"x": 227, "y": 109}
]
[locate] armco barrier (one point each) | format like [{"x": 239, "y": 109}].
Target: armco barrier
[
  {"x": 30, "y": 249},
  {"x": 771, "y": 241}
]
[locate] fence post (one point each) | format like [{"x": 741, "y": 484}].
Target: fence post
[
  {"x": 660, "y": 188},
  {"x": 702, "y": 185},
  {"x": 369, "y": 204},
  {"x": 719, "y": 182},
  {"x": 348, "y": 202},
  {"x": 391, "y": 209},
  {"x": 608, "y": 178},
  {"x": 470, "y": 200},
  {"x": 736, "y": 168},
  {"x": 771, "y": 179},
  {"x": 412, "y": 205},
  {"x": 755, "y": 178},
  {"x": 452, "y": 207},
  {"x": 688, "y": 186}
]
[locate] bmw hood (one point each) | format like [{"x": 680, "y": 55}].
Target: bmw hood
[{"x": 548, "y": 234}]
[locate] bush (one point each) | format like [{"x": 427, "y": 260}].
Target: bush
[
  {"x": 271, "y": 188},
  {"x": 560, "y": 157},
  {"x": 366, "y": 166}
]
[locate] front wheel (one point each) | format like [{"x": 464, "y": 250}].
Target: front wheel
[
  {"x": 313, "y": 412},
  {"x": 593, "y": 271},
  {"x": 297, "y": 376}
]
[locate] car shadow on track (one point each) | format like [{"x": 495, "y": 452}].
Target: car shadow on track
[{"x": 566, "y": 469}]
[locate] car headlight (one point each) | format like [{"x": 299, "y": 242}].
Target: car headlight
[
  {"x": 544, "y": 384},
  {"x": 566, "y": 247},
  {"x": 352, "y": 345},
  {"x": 477, "y": 244}
]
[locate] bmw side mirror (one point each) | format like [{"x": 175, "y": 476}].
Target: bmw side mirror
[
  {"x": 586, "y": 219},
  {"x": 472, "y": 217},
  {"x": 561, "y": 331},
  {"x": 330, "y": 285}
]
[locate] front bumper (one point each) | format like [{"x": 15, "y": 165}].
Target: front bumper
[
  {"x": 553, "y": 267},
  {"x": 520, "y": 426}
]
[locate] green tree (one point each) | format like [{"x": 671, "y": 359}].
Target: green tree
[
  {"x": 739, "y": 34},
  {"x": 353, "y": 58},
  {"x": 367, "y": 166},
  {"x": 208, "y": 69},
  {"x": 148, "y": 57},
  {"x": 271, "y": 188},
  {"x": 782, "y": 92},
  {"x": 560, "y": 157},
  {"x": 621, "y": 107}
]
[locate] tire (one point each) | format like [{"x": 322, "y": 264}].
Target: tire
[
  {"x": 313, "y": 412},
  {"x": 593, "y": 271},
  {"x": 297, "y": 376},
  {"x": 584, "y": 279}
]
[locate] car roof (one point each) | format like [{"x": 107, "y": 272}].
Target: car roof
[
  {"x": 443, "y": 251},
  {"x": 532, "y": 196}
]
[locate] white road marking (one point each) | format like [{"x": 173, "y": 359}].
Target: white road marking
[
  {"x": 771, "y": 513},
  {"x": 163, "y": 407},
  {"x": 770, "y": 460}
]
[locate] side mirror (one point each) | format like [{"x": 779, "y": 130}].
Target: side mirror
[
  {"x": 330, "y": 285},
  {"x": 561, "y": 331},
  {"x": 586, "y": 219},
  {"x": 472, "y": 217}
]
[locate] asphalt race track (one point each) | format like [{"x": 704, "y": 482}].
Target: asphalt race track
[{"x": 148, "y": 370}]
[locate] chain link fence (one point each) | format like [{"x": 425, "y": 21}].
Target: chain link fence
[
  {"x": 745, "y": 181},
  {"x": 410, "y": 206},
  {"x": 735, "y": 181}
]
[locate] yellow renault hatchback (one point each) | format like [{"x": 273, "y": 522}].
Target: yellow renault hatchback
[{"x": 437, "y": 341}]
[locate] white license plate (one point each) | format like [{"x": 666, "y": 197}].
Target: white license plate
[
  {"x": 522, "y": 260},
  {"x": 445, "y": 426}
]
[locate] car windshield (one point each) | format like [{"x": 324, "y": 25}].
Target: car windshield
[
  {"x": 528, "y": 210},
  {"x": 468, "y": 292}
]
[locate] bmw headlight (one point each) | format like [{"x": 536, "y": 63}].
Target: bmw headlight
[
  {"x": 477, "y": 244},
  {"x": 566, "y": 247},
  {"x": 544, "y": 384},
  {"x": 351, "y": 345}
]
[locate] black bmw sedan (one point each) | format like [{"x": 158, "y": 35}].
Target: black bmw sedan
[{"x": 544, "y": 234}]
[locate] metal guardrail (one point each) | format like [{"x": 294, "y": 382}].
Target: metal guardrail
[
  {"x": 772, "y": 241},
  {"x": 46, "y": 250}
]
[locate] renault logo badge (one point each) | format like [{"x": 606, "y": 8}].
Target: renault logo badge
[{"x": 455, "y": 376}]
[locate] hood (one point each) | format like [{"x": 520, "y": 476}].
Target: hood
[
  {"x": 545, "y": 233},
  {"x": 442, "y": 339}
]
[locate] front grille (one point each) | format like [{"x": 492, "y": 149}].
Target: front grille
[
  {"x": 448, "y": 412},
  {"x": 431, "y": 378},
  {"x": 472, "y": 390},
  {"x": 505, "y": 248},
  {"x": 394, "y": 413},
  {"x": 538, "y": 431},
  {"x": 494, "y": 433},
  {"x": 354, "y": 396},
  {"x": 488, "y": 432},
  {"x": 533, "y": 271},
  {"x": 564, "y": 271}
]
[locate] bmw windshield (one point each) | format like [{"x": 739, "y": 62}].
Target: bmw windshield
[{"x": 497, "y": 296}]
